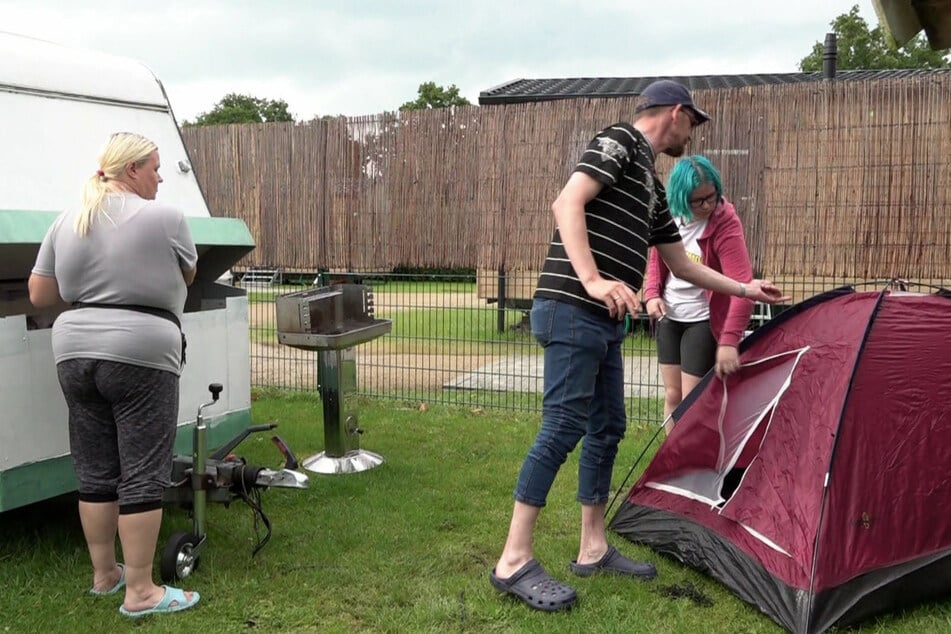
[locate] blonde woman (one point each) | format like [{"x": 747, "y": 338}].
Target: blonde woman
[{"x": 122, "y": 261}]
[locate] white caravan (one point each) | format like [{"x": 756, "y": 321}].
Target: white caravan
[{"x": 57, "y": 107}]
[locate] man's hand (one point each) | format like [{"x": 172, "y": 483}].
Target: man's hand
[
  {"x": 619, "y": 299},
  {"x": 764, "y": 291},
  {"x": 656, "y": 308}
]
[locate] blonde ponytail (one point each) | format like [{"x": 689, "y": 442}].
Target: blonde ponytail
[
  {"x": 94, "y": 192},
  {"x": 121, "y": 149}
]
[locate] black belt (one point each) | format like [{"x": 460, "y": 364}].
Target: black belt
[{"x": 150, "y": 310}]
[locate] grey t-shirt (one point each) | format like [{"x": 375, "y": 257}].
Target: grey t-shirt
[{"x": 133, "y": 254}]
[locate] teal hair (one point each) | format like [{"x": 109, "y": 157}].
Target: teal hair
[{"x": 688, "y": 174}]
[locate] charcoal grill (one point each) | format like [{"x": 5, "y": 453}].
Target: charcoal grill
[{"x": 332, "y": 320}]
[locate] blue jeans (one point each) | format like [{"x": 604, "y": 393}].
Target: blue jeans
[{"x": 584, "y": 398}]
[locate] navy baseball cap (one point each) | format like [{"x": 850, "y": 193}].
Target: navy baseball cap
[{"x": 666, "y": 92}]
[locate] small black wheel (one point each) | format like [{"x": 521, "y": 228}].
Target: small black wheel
[{"x": 179, "y": 559}]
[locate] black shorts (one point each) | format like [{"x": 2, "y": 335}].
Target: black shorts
[{"x": 688, "y": 344}]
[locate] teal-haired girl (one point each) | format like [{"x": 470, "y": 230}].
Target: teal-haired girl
[{"x": 697, "y": 329}]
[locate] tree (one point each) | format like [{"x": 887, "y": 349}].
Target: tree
[
  {"x": 862, "y": 48},
  {"x": 235, "y": 108},
  {"x": 433, "y": 96}
]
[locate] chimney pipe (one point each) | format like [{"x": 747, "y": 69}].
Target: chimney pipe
[{"x": 829, "y": 55}]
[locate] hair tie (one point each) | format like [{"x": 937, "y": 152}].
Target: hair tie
[{"x": 100, "y": 173}]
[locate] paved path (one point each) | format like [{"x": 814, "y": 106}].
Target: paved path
[{"x": 523, "y": 373}]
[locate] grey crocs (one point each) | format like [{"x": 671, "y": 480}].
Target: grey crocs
[
  {"x": 536, "y": 588},
  {"x": 613, "y": 562}
]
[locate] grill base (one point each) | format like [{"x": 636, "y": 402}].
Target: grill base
[{"x": 350, "y": 462}]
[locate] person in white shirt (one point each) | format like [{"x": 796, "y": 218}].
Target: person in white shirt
[{"x": 698, "y": 329}]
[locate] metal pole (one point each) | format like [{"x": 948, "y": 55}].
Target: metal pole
[
  {"x": 200, "y": 475},
  {"x": 501, "y": 300}
]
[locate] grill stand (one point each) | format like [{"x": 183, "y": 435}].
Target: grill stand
[
  {"x": 331, "y": 320},
  {"x": 337, "y": 375}
]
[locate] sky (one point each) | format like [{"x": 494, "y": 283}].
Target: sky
[{"x": 356, "y": 57}]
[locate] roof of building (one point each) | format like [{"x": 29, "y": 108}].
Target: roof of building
[{"x": 527, "y": 90}]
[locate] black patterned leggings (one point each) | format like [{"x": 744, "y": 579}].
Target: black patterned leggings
[{"x": 122, "y": 422}]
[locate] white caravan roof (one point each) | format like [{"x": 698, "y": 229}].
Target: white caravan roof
[
  {"x": 45, "y": 67},
  {"x": 59, "y": 104}
]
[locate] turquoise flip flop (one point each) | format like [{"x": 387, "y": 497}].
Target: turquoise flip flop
[
  {"x": 120, "y": 584},
  {"x": 173, "y": 601}
]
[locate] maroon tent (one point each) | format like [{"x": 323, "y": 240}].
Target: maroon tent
[{"x": 816, "y": 482}]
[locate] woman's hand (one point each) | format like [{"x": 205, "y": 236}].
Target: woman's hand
[
  {"x": 656, "y": 308},
  {"x": 728, "y": 361},
  {"x": 764, "y": 291}
]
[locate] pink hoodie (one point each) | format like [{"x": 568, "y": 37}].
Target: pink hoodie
[{"x": 723, "y": 249}]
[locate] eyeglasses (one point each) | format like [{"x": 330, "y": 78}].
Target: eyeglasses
[
  {"x": 700, "y": 203},
  {"x": 690, "y": 116}
]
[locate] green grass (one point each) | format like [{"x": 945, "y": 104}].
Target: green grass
[
  {"x": 263, "y": 335},
  {"x": 398, "y": 286},
  {"x": 405, "y": 547},
  {"x": 438, "y": 326},
  {"x": 268, "y": 293}
]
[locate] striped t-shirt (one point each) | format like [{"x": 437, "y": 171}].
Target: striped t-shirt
[{"x": 629, "y": 214}]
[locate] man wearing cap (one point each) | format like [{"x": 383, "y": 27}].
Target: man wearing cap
[{"x": 611, "y": 209}]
